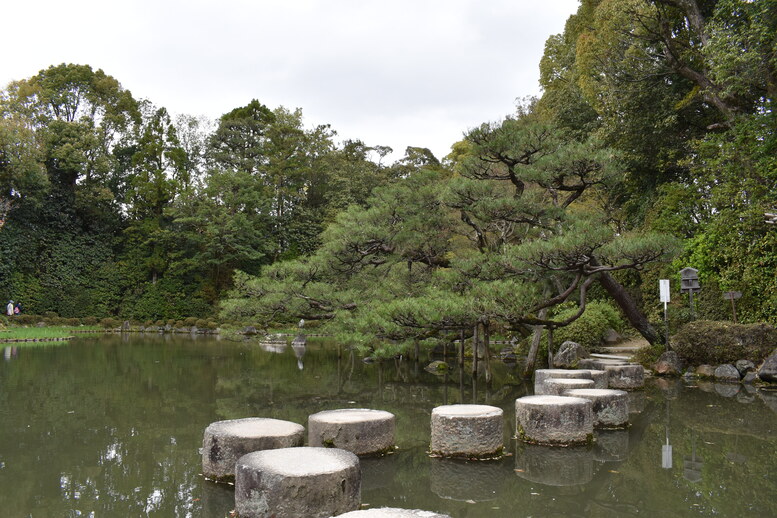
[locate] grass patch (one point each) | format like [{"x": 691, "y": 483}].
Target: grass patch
[{"x": 42, "y": 333}]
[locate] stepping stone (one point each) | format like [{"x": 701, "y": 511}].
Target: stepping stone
[
  {"x": 540, "y": 375},
  {"x": 226, "y": 441},
  {"x": 558, "y": 386},
  {"x": 600, "y": 377},
  {"x": 469, "y": 431},
  {"x": 599, "y": 363},
  {"x": 610, "y": 407},
  {"x": 393, "y": 512},
  {"x": 359, "y": 430},
  {"x": 295, "y": 482},
  {"x": 554, "y": 420},
  {"x": 626, "y": 377}
]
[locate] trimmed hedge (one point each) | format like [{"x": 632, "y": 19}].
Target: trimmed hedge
[{"x": 714, "y": 343}]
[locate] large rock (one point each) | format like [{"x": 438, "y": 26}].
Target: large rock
[
  {"x": 669, "y": 364},
  {"x": 744, "y": 366},
  {"x": 705, "y": 371},
  {"x": 610, "y": 407},
  {"x": 295, "y": 482},
  {"x": 768, "y": 370},
  {"x": 569, "y": 355},
  {"x": 727, "y": 372}
]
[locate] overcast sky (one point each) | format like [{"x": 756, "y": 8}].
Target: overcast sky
[{"x": 391, "y": 72}]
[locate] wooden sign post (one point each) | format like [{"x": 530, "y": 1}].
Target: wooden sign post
[{"x": 733, "y": 295}]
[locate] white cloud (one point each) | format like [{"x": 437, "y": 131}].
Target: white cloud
[{"x": 397, "y": 73}]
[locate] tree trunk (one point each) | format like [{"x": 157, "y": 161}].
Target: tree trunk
[
  {"x": 535, "y": 345},
  {"x": 486, "y": 350},
  {"x": 461, "y": 349},
  {"x": 636, "y": 318},
  {"x": 475, "y": 340}
]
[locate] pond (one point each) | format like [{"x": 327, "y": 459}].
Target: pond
[{"x": 110, "y": 426}]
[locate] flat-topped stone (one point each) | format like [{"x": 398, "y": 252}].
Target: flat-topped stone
[
  {"x": 558, "y": 386},
  {"x": 610, "y": 407},
  {"x": 471, "y": 431},
  {"x": 540, "y": 375},
  {"x": 554, "y": 420},
  {"x": 599, "y": 363},
  {"x": 224, "y": 442},
  {"x": 600, "y": 377},
  {"x": 626, "y": 377},
  {"x": 359, "y": 430},
  {"x": 393, "y": 512},
  {"x": 294, "y": 482}
]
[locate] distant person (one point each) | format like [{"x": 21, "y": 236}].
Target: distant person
[
  {"x": 17, "y": 308},
  {"x": 9, "y": 308}
]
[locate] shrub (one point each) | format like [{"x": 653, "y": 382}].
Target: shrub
[
  {"x": 589, "y": 329},
  {"x": 201, "y": 323},
  {"x": 109, "y": 323},
  {"x": 714, "y": 343},
  {"x": 190, "y": 321},
  {"x": 90, "y": 321}
]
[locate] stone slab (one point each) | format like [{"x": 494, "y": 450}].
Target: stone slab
[{"x": 468, "y": 431}]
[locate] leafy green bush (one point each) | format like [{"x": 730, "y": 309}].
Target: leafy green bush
[
  {"x": 709, "y": 342},
  {"x": 201, "y": 323},
  {"x": 109, "y": 323},
  {"x": 589, "y": 329},
  {"x": 189, "y": 321}
]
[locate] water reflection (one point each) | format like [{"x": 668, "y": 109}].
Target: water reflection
[
  {"x": 466, "y": 481},
  {"x": 299, "y": 345},
  {"x": 554, "y": 466}
]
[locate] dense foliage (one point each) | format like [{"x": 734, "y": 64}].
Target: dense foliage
[
  {"x": 653, "y": 147},
  {"x": 715, "y": 343}
]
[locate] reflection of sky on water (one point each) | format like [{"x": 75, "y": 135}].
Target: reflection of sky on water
[{"x": 112, "y": 427}]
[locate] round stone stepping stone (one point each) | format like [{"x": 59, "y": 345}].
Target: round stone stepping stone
[
  {"x": 625, "y": 377},
  {"x": 359, "y": 430},
  {"x": 226, "y": 441},
  {"x": 540, "y": 375},
  {"x": 558, "y": 386},
  {"x": 393, "y": 512},
  {"x": 470, "y": 431},
  {"x": 610, "y": 407},
  {"x": 600, "y": 377},
  {"x": 294, "y": 482},
  {"x": 554, "y": 420}
]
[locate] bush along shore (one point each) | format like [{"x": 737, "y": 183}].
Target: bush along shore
[
  {"x": 718, "y": 351},
  {"x": 34, "y": 328}
]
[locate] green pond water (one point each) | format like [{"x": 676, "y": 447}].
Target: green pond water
[{"x": 110, "y": 426}]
